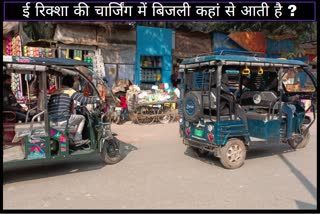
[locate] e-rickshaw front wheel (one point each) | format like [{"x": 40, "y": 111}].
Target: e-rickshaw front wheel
[
  {"x": 300, "y": 141},
  {"x": 110, "y": 153},
  {"x": 233, "y": 154}
]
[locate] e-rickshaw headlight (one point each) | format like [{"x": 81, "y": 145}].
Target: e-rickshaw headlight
[
  {"x": 187, "y": 124},
  {"x": 210, "y": 128}
]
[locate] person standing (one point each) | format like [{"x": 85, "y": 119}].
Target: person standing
[
  {"x": 174, "y": 76},
  {"x": 10, "y": 102},
  {"x": 124, "y": 106},
  {"x": 176, "y": 89}
]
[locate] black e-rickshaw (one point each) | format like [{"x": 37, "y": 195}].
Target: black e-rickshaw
[
  {"x": 38, "y": 139},
  {"x": 215, "y": 118}
]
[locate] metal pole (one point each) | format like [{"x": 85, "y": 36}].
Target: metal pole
[
  {"x": 218, "y": 84},
  {"x": 280, "y": 88},
  {"x": 44, "y": 98}
]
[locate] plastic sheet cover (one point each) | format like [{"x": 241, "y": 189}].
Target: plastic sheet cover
[
  {"x": 222, "y": 42},
  {"x": 251, "y": 41}
]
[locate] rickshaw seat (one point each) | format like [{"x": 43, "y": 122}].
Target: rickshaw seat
[
  {"x": 23, "y": 129},
  {"x": 8, "y": 127},
  {"x": 71, "y": 129},
  {"x": 257, "y": 116},
  {"x": 38, "y": 128},
  {"x": 268, "y": 100},
  {"x": 62, "y": 128}
]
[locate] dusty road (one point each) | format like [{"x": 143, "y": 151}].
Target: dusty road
[{"x": 159, "y": 172}]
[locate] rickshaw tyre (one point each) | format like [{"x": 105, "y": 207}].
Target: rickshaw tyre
[
  {"x": 303, "y": 143},
  {"x": 106, "y": 157},
  {"x": 197, "y": 111},
  {"x": 233, "y": 143}
]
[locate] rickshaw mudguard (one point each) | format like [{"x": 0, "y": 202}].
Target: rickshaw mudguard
[
  {"x": 314, "y": 116},
  {"x": 104, "y": 136},
  {"x": 102, "y": 141},
  {"x": 223, "y": 130}
]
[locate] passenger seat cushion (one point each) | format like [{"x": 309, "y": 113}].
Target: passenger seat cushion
[{"x": 251, "y": 115}]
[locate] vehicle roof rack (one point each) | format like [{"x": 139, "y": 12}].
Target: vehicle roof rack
[
  {"x": 235, "y": 52},
  {"x": 204, "y": 54},
  {"x": 231, "y": 52}
]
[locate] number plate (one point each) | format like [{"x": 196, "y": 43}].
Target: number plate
[{"x": 198, "y": 132}]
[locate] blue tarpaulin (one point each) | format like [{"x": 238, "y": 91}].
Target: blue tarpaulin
[
  {"x": 221, "y": 42},
  {"x": 277, "y": 47}
]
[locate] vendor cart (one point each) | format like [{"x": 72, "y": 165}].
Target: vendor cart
[
  {"x": 153, "y": 112},
  {"x": 151, "y": 106}
]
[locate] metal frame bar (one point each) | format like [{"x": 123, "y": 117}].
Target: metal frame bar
[
  {"x": 218, "y": 84},
  {"x": 238, "y": 63}
]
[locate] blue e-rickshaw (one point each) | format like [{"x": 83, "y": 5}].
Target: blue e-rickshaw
[{"x": 263, "y": 102}]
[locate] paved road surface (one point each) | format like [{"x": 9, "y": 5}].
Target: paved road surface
[{"x": 158, "y": 172}]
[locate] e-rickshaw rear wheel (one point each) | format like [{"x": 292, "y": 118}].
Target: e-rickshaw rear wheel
[
  {"x": 233, "y": 154},
  {"x": 110, "y": 153}
]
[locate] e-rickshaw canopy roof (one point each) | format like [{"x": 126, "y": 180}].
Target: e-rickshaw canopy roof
[
  {"x": 31, "y": 64},
  {"x": 61, "y": 66},
  {"x": 43, "y": 61},
  {"x": 238, "y": 60}
]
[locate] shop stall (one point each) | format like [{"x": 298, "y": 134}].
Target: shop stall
[{"x": 153, "y": 57}]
